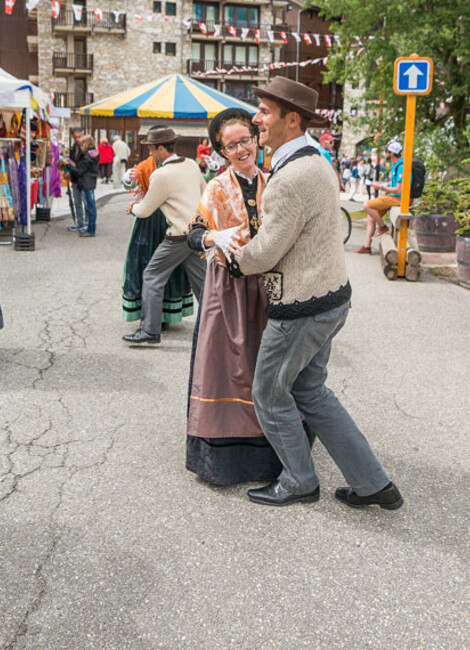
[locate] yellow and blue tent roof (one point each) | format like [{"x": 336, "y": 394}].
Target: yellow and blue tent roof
[{"x": 173, "y": 96}]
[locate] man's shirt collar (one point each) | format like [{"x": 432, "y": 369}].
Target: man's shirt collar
[
  {"x": 286, "y": 150},
  {"x": 170, "y": 159}
]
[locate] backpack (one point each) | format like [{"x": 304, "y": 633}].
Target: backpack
[{"x": 419, "y": 175}]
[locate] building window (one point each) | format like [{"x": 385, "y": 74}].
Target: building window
[
  {"x": 157, "y": 7},
  {"x": 240, "y": 54},
  {"x": 240, "y": 16},
  {"x": 170, "y": 8},
  {"x": 157, "y": 48},
  {"x": 170, "y": 49},
  {"x": 206, "y": 13}
]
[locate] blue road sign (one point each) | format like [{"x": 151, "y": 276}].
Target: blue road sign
[{"x": 413, "y": 76}]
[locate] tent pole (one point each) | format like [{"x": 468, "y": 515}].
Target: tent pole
[{"x": 28, "y": 170}]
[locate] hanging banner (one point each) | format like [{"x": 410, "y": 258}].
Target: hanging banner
[
  {"x": 307, "y": 39},
  {"x": 9, "y": 5},
  {"x": 217, "y": 29},
  {"x": 55, "y": 9},
  {"x": 232, "y": 30},
  {"x": 244, "y": 33},
  {"x": 98, "y": 13},
  {"x": 296, "y": 36},
  {"x": 271, "y": 37},
  {"x": 283, "y": 36},
  {"x": 77, "y": 12},
  {"x": 327, "y": 38},
  {"x": 203, "y": 28},
  {"x": 317, "y": 39},
  {"x": 32, "y": 4},
  {"x": 257, "y": 35}
]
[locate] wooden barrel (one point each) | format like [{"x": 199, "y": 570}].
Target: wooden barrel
[
  {"x": 463, "y": 259},
  {"x": 435, "y": 233}
]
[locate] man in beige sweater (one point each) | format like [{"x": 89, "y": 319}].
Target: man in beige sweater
[
  {"x": 299, "y": 249},
  {"x": 176, "y": 188}
]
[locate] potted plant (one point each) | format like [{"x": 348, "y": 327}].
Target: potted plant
[
  {"x": 434, "y": 216},
  {"x": 462, "y": 219}
]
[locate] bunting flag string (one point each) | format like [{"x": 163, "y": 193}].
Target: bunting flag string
[
  {"x": 215, "y": 31},
  {"x": 264, "y": 68}
]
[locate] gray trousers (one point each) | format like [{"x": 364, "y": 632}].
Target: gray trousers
[
  {"x": 78, "y": 202},
  {"x": 166, "y": 258},
  {"x": 290, "y": 376}
]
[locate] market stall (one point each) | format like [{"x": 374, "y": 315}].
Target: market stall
[
  {"x": 174, "y": 100},
  {"x": 24, "y": 149}
]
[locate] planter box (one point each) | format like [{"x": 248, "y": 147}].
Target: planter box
[
  {"x": 463, "y": 259},
  {"x": 435, "y": 233}
]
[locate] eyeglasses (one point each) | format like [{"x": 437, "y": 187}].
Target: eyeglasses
[{"x": 233, "y": 146}]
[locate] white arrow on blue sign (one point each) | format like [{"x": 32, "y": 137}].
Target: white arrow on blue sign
[{"x": 413, "y": 76}]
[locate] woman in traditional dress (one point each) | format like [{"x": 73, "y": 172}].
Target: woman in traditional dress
[
  {"x": 146, "y": 235},
  {"x": 225, "y": 444}
]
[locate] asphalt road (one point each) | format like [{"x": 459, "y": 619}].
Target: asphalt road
[{"x": 107, "y": 542}]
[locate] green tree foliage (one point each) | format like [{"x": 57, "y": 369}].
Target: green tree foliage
[{"x": 373, "y": 33}]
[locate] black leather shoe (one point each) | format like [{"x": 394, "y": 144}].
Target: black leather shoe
[
  {"x": 275, "y": 494},
  {"x": 141, "y": 337},
  {"x": 388, "y": 498}
]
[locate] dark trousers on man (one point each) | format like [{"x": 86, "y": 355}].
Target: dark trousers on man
[
  {"x": 166, "y": 258},
  {"x": 289, "y": 380}
]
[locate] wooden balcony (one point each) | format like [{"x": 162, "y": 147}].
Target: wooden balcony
[
  {"x": 72, "y": 63},
  {"x": 89, "y": 22},
  {"x": 225, "y": 34},
  {"x": 72, "y": 100}
]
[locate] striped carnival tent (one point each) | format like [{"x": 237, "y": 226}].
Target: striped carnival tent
[{"x": 174, "y": 96}]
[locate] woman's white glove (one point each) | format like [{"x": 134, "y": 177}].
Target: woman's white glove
[{"x": 223, "y": 238}]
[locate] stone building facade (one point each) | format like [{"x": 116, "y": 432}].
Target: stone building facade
[{"x": 87, "y": 58}]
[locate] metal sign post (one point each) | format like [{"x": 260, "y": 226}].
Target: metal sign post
[{"x": 412, "y": 76}]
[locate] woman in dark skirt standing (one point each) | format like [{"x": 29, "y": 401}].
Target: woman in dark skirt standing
[{"x": 225, "y": 444}]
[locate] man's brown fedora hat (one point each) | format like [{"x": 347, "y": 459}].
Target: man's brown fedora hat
[
  {"x": 160, "y": 136},
  {"x": 292, "y": 94}
]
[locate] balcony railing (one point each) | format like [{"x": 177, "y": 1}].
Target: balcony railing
[
  {"x": 199, "y": 66},
  {"x": 225, "y": 32},
  {"x": 72, "y": 100},
  {"x": 109, "y": 22},
  {"x": 72, "y": 62}
]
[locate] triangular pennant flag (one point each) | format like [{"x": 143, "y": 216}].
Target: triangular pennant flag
[
  {"x": 283, "y": 36},
  {"x": 317, "y": 39},
  {"x": 32, "y": 4},
  {"x": 150, "y": 17},
  {"x": 271, "y": 37},
  {"x": 232, "y": 30},
  {"x": 138, "y": 17},
  {"x": 55, "y": 9},
  {"x": 203, "y": 28},
  {"x": 77, "y": 12},
  {"x": 187, "y": 24},
  {"x": 98, "y": 13},
  {"x": 337, "y": 40},
  {"x": 9, "y": 5},
  {"x": 327, "y": 40},
  {"x": 244, "y": 33},
  {"x": 217, "y": 29},
  {"x": 257, "y": 35},
  {"x": 296, "y": 36},
  {"x": 116, "y": 15},
  {"x": 307, "y": 39}
]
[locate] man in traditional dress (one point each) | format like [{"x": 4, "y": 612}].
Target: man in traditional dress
[
  {"x": 121, "y": 156},
  {"x": 176, "y": 188},
  {"x": 299, "y": 249}
]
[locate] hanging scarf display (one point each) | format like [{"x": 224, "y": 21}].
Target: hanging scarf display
[
  {"x": 23, "y": 191},
  {"x": 14, "y": 179},
  {"x": 7, "y": 212}
]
